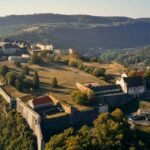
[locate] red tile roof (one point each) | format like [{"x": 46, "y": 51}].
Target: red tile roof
[
  {"x": 140, "y": 73},
  {"x": 42, "y": 100}
]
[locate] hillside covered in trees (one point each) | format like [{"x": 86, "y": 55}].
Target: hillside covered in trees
[
  {"x": 15, "y": 134},
  {"x": 88, "y": 34},
  {"x": 110, "y": 132},
  {"x": 128, "y": 57}
]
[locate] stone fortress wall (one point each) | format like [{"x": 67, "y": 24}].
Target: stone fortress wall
[
  {"x": 83, "y": 88},
  {"x": 33, "y": 119},
  {"x": 70, "y": 116},
  {"x": 112, "y": 100}
]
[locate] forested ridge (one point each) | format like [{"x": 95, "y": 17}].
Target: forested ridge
[
  {"x": 87, "y": 34},
  {"x": 127, "y": 57}
]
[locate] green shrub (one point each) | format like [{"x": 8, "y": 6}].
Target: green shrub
[
  {"x": 98, "y": 72},
  {"x": 4, "y": 70},
  {"x": 80, "y": 98}
]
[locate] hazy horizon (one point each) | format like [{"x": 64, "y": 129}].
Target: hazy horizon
[
  {"x": 126, "y": 8},
  {"x": 67, "y": 14}
]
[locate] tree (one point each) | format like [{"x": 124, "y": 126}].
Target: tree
[
  {"x": 80, "y": 66},
  {"x": 26, "y": 70},
  {"x": 27, "y": 83},
  {"x": 80, "y": 98},
  {"x": 19, "y": 85},
  {"x": 111, "y": 130},
  {"x": 15, "y": 133},
  {"x": 75, "y": 55},
  {"x": 10, "y": 78},
  {"x": 90, "y": 94},
  {"x": 35, "y": 59},
  {"x": 98, "y": 72},
  {"x": 36, "y": 82},
  {"x": 73, "y": 63},
  {"x": 89, "y": 69},
  {"x": 118, "y": 114},
  {"x": 58, "y": 141},
  {"x": 22, "y": 76},
  {"x": 54, "y": 82},
  {"x": 57, "y": 59},
  {"x": 93, "y": 59},
  {"x": 3, "y": 70},
  {"x": 17, "y": 63},
  {"x": 86, "y": 141},
  {"x": 147, "y": 78}
]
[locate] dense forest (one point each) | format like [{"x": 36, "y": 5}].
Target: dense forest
[
  {"x": 139, "y": 56},
  {"x": 14, "y": 131},
  {"x": 87, "y": 34},
  {"x": 110, "y": 132}
]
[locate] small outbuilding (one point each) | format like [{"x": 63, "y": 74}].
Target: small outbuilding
[
  {"x": 133, "y": 85},
  {"x": 40, "y": 102}
]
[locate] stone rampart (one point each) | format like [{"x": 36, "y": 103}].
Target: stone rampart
[
  {"x": 55, "y": 101},
  {"x": 67, "y": 108},
  {"x": 33, "y": 119},
  {"x": 115, "y": 100},
  {"x": 83, "y": 88}
]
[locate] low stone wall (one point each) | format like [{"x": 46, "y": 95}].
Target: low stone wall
[
  {"x": 83, "y": 88},
  {"x": 55, "y": 101},
  {"x": 81, "y": 118},
  {"x": 114, "y": 100},
  {"x": 55, "y": 125},
  {"x": 33, "y": 119},
  {"x": 67, "y": 108}
]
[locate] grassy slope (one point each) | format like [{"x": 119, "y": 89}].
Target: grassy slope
[{"x": 66, "y": 76}]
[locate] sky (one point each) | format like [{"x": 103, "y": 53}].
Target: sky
[{"x": 129, "y": 8}]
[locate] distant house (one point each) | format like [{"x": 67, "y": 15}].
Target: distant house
[
  {"x": 61, "y": 51},
  {"x": 5, "y": 41},
  {"x": 132, "y": 85},
  {"x": 9, "y": 49},
  {"x": 25, "y": 56},
  {"x": 71, "y": 51},
  {"x": 57, "y": 51},
  {"x": 139, "y": 73},
  {"x": 45, "y": 46},
  {"x": 40, "y": 102},
  {"x": 19, "y": 58},
  {"x": 22, "y": 44},
  {"x": 41, "y": 48}
]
